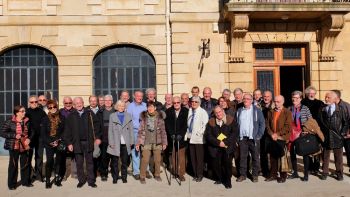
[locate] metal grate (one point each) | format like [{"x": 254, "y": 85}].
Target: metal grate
[
  {"x": 292, "y": 53},
  {"x": 265, "y": 81},
  {"x": 124, "y": 67},
  {"x": 24, "y": 71},
  {"x": 264, "y": 53}
]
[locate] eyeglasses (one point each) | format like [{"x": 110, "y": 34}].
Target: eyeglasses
[
  {"x": 32, "y": 102},
  {"x": 176, "y": 103},
  {"x": 54, "y": 107},
  {"x": 68, "y": 103},
  {"x": 194, "y": 101},
  {"x": 42, "y": 100}
]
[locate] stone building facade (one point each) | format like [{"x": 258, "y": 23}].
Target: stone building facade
[{"x": 222, "y": 44}]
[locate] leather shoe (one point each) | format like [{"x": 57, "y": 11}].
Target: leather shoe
[
  {"x": 241, "y": 178},
  {"x": 305, "y": 179},
  {"x": 182, "y": 178},
  {"x": 28, "y": 185},
  {"x": 228, "y": 185},
  {"x": 115, "y": 181},
  {"x": 48, "y": 185},
  {"x": 323, "y": 177},
  {"x": 255, "y": 179},
  {"x": 340, "y": 177},
  {"x": 143, "y": 180},
  {"x": 148, "y": 175},
  {"x": 104, "y": 178},
  {"x": 158, "y": 178},
  {"x": 194, "y": 179},
  {"x": 93, "y": 185},
  {"x": 293, "y": 176},
  {"x": 137, "y": 177},
  {"x": 124, "y": 180},
  {"x": 281, "y": 180},
  {"x": 12, "y": 188},
  {"x": 270, "y": 179},
  {"x": 80, "y": 184},
  {"x": 217, "y": 182},
  {"x": 199, "y": 179}
]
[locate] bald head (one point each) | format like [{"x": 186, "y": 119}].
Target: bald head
[
  {"x": 78, "y": 103},
  {"x": 279, "y": 101}
]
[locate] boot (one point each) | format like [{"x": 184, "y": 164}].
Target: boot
[
  {"x": 58, "y": 181},
  {"x": 48, "y": 184}
]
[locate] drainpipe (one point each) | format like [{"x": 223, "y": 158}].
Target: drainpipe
[{"x": 168, "y": 46}]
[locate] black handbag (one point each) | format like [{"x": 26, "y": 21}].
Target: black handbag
[
  {"x": 307, "y": 144},
  {"x": 61, "y": 146},
  {"x": 276, "y": 148}
]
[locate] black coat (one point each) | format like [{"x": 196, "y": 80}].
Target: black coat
[
  {"x": 335, "y": 128},
  {"x": 35, "y": 118},
  {"x": 8, "y": 131},
  {"x": 72, "y": 129},
  {"x": 46, "y": 128},
  {"x": 212, "y": 131},
  {"x": 176, "y": 126},
  {"x": 213, "y": 102}
]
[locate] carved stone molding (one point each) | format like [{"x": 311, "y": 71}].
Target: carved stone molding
[
  {"x": 239, "y": 28},
  {"x": 331, "y": 27}
]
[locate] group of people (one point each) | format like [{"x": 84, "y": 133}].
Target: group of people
[{"x": 200, "y": 136}]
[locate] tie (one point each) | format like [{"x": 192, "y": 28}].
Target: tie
[
  {"x": 191, "y": 123},
  {"x": 329, "y": 112}
]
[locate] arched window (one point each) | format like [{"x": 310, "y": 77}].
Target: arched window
[
  {"x": 26, "y": 70},
  {"x": 123, "y": 67}
]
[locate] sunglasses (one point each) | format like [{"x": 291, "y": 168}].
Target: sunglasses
[
  {"x": 42, "y": 100},
  {"x": 176, "y": 102},
  {"x": 32, "y": 102},
  {"x": 54, "y": 107},
  {"x": 68, "y": 103}
]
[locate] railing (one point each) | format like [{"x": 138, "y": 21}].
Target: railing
[{"x": 289, "y": 1}]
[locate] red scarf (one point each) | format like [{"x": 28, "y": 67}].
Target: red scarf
[{"x": 21, "y": 130}]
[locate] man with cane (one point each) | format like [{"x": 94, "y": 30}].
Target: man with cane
[{"x": 176, "y": 127}]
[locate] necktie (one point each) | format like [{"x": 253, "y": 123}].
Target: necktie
[
  {"x": 329, "y": 112},
  {"x": 191, "y": 123}
]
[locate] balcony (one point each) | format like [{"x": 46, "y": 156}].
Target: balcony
[{"x": 288, "y": 5}]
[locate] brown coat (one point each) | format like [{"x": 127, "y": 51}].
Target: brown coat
[
  {"x": 311, "y": 126},
  {"x": 161, "y": 137},
  {"x": 284, "y": 124}
]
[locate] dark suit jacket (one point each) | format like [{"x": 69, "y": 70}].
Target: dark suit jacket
[
  {"x": 176, "y": 126},
  {"x": 72, "y": 129}
]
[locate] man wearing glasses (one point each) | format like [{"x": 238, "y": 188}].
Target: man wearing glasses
[
  {"x": 35, "y": 115},
  {"x": 176, "y": 127},
  {"x": 42, "y": 101}
]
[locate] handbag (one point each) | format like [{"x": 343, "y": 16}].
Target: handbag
[
  {"x": 276, "y": 148},
  {"x": 307, "y": 144},
  {"x": 97, "y": 151},
  {"x": 61, "y": 146}
]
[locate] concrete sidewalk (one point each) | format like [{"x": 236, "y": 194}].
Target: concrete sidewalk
[{"x": 315, "y": 188}]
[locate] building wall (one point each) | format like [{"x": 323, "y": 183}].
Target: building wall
[{"x": 75, "y": 31}]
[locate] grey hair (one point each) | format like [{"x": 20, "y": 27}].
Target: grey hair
[
  {"x": 297, "y": 92},
  {"x": 108, "y": 96},
  {"x": 227, "y": 90},
  {"x": 307, "y": 90},
  {"x": 119, "y": 102},
  {"x": 196, "y": 98},
  {"x": 151, "y": 90},
  {"x": 237, "y": 89},
  {"x": 33, "y": 96},
  {"x": 78, "y": 98},
  {"x": 250, "y": 95}
]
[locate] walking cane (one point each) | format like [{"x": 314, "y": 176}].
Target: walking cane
[
  {"x": 166, "y": 174},
  {"x": 178, "y": 156}
]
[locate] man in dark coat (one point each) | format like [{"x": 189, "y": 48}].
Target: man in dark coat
[
  {"x": 82, "y": 130},
  {"x": 176, "y": 127},
  {"x": 220, "y": 135},
  {"x": 35, "y": 115},
  {"x": 207, "y": 102},
  {"x": 334, "y": 125}
]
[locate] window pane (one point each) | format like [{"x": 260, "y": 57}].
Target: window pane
[
  {"x": 17, "y": 79},
  {"x": 265, "y": 81},
  {"x": 32, "y": 78},
  {"x": 24, "y": 79},
  {"x": 9, "y": 79},
  {"x": 2, "y": 104},
  {"x": 16, "y": 98},
  {"x": 264, "y": 53},
  {"x": 2, "y": 79},
  {"x": 9, "y": 105},
  {"x": 292, "y": 53},
  {"x": 41, "y": 79}
]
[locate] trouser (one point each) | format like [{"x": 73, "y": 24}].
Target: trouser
[
  {"x": 306, "y": 160},
  {"x": 338, "y": 159},
  {"x": 147, "y": 150},
  {"x": 197, "y": 159},
  {"x": 135, "y": 155},
  {"x": 181, "y": 161},
  {"x": 39, "y": 152},
  {"x": 105, "y": 159},
  {"x": 264, "y": 160},
  {"x": 79, "y": 158},
  {"x": 293, "y": 158},
  {"x": 347, "y": 150},
  {"x": 275, "y": 168},
  {"x": 15, "y": 155},
  {"x": 249, "y": 146},
  {"x": 124, "y": 157},
  {"x": 222, "y": 166},
  {"x": 58, "y": 163}
]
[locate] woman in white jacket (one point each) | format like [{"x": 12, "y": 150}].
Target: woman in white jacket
[{"x": 196, "y": 122}]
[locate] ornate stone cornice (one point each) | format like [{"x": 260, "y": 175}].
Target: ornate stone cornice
[{"x": 239, "y": 28}]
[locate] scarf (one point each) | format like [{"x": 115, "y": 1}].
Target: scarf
[
  {"x": 21, "y": 129},
  {"x": 296, "y": 116},
  {"x": 54, "y": 121}
]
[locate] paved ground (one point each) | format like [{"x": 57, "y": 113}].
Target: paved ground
[{"x": 315, "y": 188}]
